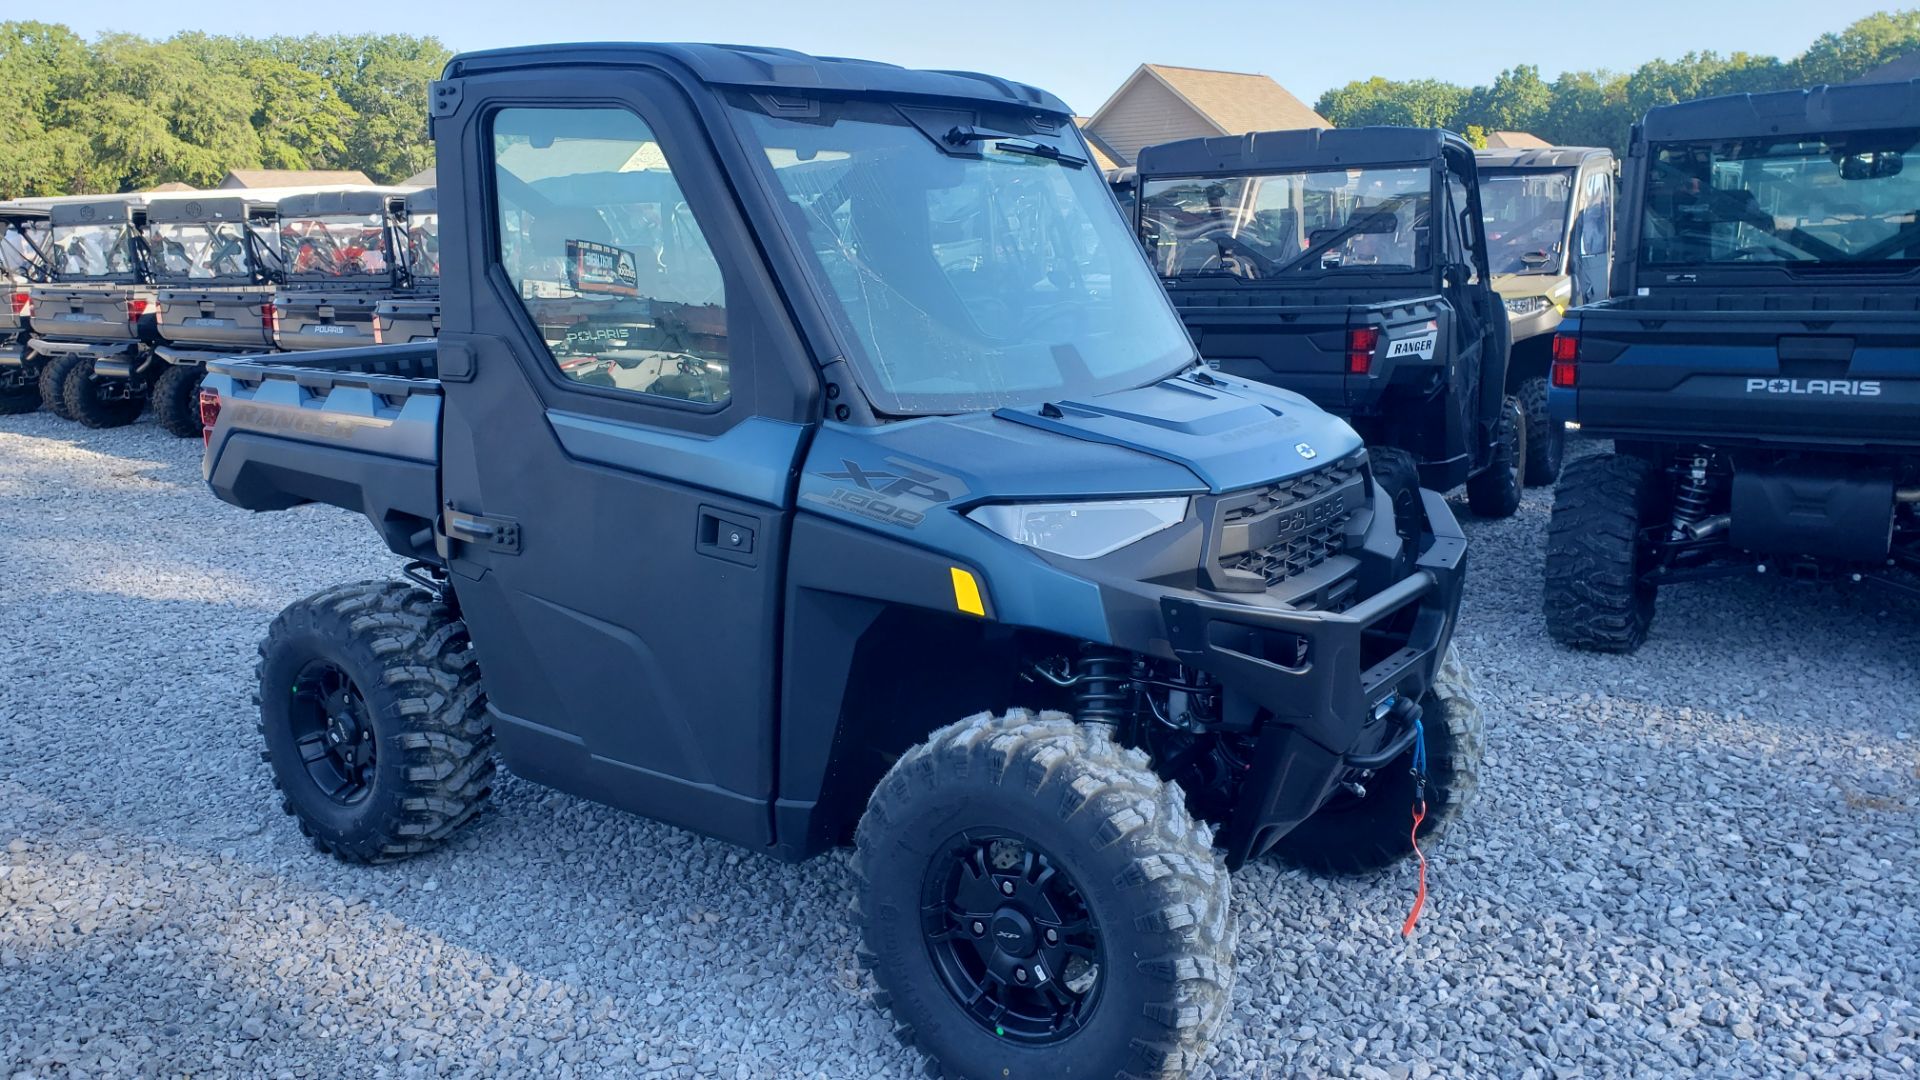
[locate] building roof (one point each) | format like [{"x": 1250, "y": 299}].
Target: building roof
[
  {"x": 1515, "y": 140},
  {"x": 174, "y": 186},
  {"x": 423, "y": 178},
  {"x": 1236, "y": 102},
  {"x": 257, "y": 178}
]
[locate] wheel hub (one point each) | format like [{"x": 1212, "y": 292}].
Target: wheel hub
[
  {"x": 1011, "y": 938},
  {"x": 333, "y": 733}
]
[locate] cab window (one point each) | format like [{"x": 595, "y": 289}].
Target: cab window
[{"x": 607, "y": 256}]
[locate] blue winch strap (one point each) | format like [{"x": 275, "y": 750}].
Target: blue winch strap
[{"x": 1419, "y": 749}]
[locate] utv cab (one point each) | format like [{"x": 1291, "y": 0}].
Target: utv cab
[
  {"x": 341, "y": 253},
  {"x": 1549, "y": 222},
  {"x": 24, "y": 233},
  {"x": 1349, "y": 266},
  {"x": 1758, "y": 368},
  {"x": 215, "y": 260},
  {"x": 413, "y": 312},
  {"x": 94, "y": 319}
]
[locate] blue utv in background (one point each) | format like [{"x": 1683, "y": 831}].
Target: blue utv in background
[
  {"x": 808, "y": 457},
  {"x": 1759, "y": 366}
]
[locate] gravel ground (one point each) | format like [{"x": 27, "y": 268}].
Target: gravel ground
[{"x": 1698, "y": 859}]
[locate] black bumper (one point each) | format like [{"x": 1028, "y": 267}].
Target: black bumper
[{"x": 1339, "y": 690}]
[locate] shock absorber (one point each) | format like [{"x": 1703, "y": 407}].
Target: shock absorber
[
  {"x": 1693, "y": 495},
  {"x": 1103, "y": 690}
]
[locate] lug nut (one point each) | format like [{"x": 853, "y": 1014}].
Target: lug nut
[
  {"x": 979, "y": 928},
  {"x": 1006, "y": 887},
  {"x": 1053, "y": 936},
  {"x": 1020, "y": 974}
]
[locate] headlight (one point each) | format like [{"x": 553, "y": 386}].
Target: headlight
[
  {"x": 1081, "y": 530},
  {"x": 1526, "y": 305}
]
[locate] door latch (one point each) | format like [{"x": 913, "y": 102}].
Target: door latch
[
  {"x": 495, "y": 533},
  {"x": 727, "y": 536}
]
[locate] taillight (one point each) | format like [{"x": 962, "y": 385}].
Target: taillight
[
  {"x": 1360, "y": 346},
  {"x": 209, "y": 415},
  {"x": 1566, "y": 360},
  {"x": 23, "y": 303},
  {"x": 135, "y": 309},
  {"x": 270, "y": 317}
]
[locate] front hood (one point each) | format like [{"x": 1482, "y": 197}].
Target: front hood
[
  {"x": 1229, "y": 433},
  {"x": 1556, "y": 287}
]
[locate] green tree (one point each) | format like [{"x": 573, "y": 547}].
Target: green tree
[
  {"x": 40, "y": 65},
  {"x": 155, "y": 113},
  {"x": 1518, "y": 100},
  {"x": 1412, "y": 103},
  {"x": 1860, "y": 48}
]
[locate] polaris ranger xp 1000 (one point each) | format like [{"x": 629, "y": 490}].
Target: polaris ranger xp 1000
[
  {"x": 1759, "y": 367},
  {"x": 907, "y": 518},
  {"x": 1349, "y": 266}
]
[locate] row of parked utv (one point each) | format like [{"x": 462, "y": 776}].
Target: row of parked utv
[{"x": 117, "y": 302}]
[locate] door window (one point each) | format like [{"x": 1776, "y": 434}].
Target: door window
[{"x": 606, "y": 254}]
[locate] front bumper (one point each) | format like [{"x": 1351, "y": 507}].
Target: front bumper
[{"x": 1333, "y": 691}]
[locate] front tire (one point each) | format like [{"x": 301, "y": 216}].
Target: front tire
[
  {"x": 1042, "y": 828},
  {"x": 1494, "y": 492},
  {"x": 53, "y": 384},
  {"x": 1397, "y": 474},
  {"x": 1546, "y": 437},
  {"x": 1360, "y": 835},
  {"x": 1597, "y": 596},
  {"x": 176, "y": 400},
  {"x": 91, "y": 402},
  {"x": 374, "y": 720}
]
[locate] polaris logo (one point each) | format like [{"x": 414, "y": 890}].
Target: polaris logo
[
  {"x": 1816, "y": 387},
  {"x": 1306, "y": 450}
]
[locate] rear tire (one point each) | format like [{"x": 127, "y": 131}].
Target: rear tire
[
  {"x": 53, "y": 382},
  {"x": 1147, "y": 891},
  {"x": 176, "y": 400},
  {"x": 1361, "y": 835},
  {"x": 1495, "y": 491},
  {"x": 1546, "y": 437},
  {"x": 374, "y": 720},
  {"x": 1596, "y": 595},
  {"x": 1398, "y": 475},
  {"x": 85, "y": 403}
]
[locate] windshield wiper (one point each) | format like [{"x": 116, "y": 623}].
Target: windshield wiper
[{"x": 1014, "y": 144}]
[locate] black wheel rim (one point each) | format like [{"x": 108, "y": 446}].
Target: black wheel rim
[
  {"x": 1011, "y": 937},
  {"x": 333, "y": 732}
]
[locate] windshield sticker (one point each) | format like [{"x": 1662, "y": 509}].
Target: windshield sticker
[
  {"x": 1420, "y": 345},
  {"x": 602, "y": 268}
]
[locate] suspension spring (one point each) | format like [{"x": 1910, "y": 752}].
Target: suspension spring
[
  {"x": 1103, "y": 691},
  {"x": 1694, "y": 496}
]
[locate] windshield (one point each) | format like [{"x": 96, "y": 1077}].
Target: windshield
[
  {"x": 335, "y": 246},
  {"x": 199, "y": 251},
  {"x": 22, "y": 248},
  {"x": 1293, "y": 223},
  {"x": 1804, "y": 200},
  {"x": 1526, "y": 216},
  {"x": 93, "y": 251},
  {"x": 423, "y": 244},
  {"x": 971, "y": 279}
]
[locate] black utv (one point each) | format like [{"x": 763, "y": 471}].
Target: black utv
[
  {"x": 412, "y": 313},
  {"x": 342, "y": 254},
  {"x": 1549, "y": 220},
  {"x": 1758, "y": 369},
  {"x": 215, "y": 259},
  {"x": 1349, "y": 266},
  {"x": 911, "y": 520},
  {"x": 23, "y": 260},
  {"x": 93, "y": 318}
]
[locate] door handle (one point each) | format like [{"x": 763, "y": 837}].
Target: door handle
[
  {"x": 728, "y": 536},
  {"x": 495, "y": 533}
]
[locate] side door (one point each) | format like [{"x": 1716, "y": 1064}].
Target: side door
[
  {"x": 626, "y": 402},
  {"x": 1593, "y": 238},
  {"x": 1473, "y": 292}
]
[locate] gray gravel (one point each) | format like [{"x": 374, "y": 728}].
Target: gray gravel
[{"x": 1698, "y": 859}]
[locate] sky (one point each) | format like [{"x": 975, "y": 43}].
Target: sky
[{"x": 1080, "y": 50}]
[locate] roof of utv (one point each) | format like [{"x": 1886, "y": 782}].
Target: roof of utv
[
  {"x": 107, "y": 210},
  {"x": 755, "y": 68},
  {"x": 1822, "y": 109},
  {"x": 1307, "y": 148},
  {"x": 1551, "y": 157},
  {"x": 321, "y": 203}
]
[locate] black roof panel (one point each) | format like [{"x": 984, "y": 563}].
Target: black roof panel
[
  {"x": 1306, "y": 148},
  {"x": 770, "y": 70},
  {"x": 210, "y": 208},
  {"x": 322, "y": 203},
  {"x": 1863, "y": 107}
]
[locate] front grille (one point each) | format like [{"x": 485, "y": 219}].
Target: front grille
[{"x": 1269, "y": 534}]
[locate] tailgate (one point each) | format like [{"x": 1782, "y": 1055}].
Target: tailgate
[
  {"x": 217, "y": 318},
  {"x": 325, "y": 320},
  {"x": 1758, "y": 376},
  {"x": 407, "y": 319},
  {"x": 102, "y": 315},
  {"x": 1305, "y": 347}
]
